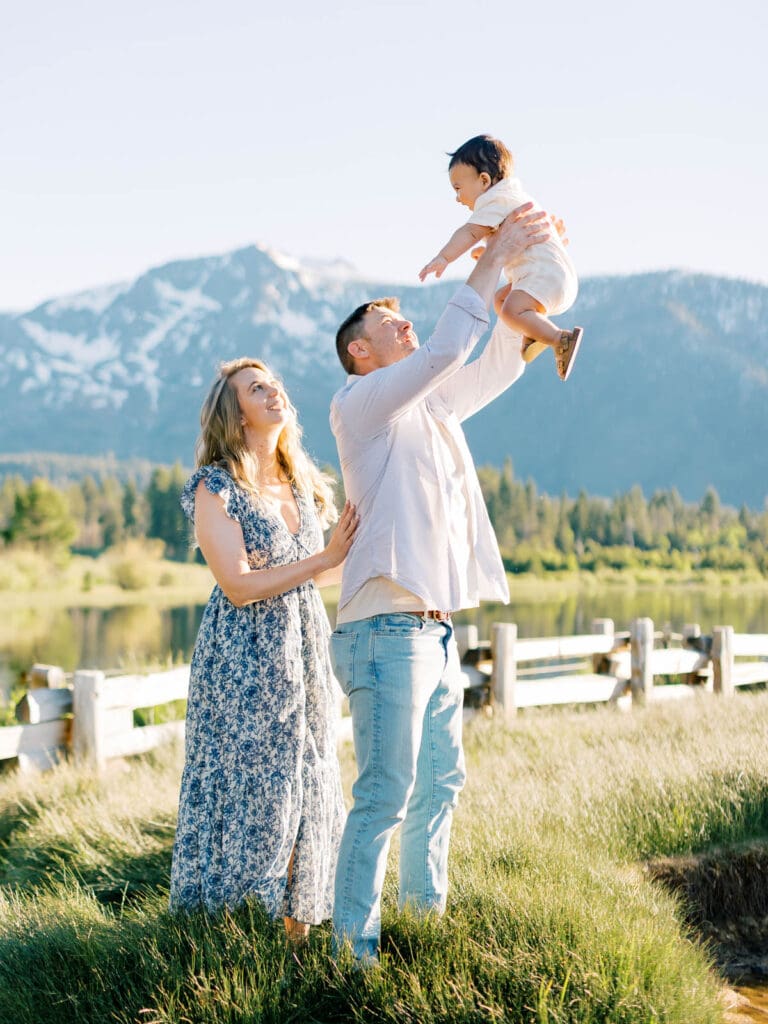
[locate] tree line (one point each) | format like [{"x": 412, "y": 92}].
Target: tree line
[
  {"x": 537, "y": 532},
  {"x": 88, "y": 516}
]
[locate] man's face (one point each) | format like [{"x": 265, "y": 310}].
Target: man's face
[
  {"x": 389, "y": 337},
  {"x": 468, "y": 184}
]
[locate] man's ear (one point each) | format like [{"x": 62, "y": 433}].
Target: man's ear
[{"x": 357, "y": 349}]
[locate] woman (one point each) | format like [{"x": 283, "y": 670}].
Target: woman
[{"x": 261, "y": 809}]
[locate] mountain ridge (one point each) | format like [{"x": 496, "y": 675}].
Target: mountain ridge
[{"x": 670, "y": 388}]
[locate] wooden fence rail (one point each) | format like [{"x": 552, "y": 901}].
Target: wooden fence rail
[{"x": 93, "y": 717}]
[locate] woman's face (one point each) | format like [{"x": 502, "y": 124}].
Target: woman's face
[{"x": 263, "y": 403}]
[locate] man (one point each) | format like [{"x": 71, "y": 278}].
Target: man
[{"x": 424, "y": 548}]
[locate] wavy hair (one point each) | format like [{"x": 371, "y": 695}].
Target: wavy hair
[{"x": 222, "y": 443}]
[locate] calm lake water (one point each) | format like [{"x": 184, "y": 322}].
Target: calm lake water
[{"x": 136, "y": 636}]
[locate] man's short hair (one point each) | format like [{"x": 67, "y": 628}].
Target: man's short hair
[
  {"x": 487, "y": 155},
  {"x": 351, "y": 329}
]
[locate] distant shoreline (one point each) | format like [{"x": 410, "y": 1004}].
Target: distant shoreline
[{"x": 178, "y": 583}]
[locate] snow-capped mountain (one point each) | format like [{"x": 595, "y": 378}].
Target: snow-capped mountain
[{"x": 671, "y": 387}]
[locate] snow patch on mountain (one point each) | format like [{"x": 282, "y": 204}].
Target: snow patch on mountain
[
  {"x": 95, "y": 300},
  {"x": 82, "y": 351},
  {"x": 295, "y": 325}
]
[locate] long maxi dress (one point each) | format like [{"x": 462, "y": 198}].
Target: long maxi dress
[{"x": 261, "y": 776}]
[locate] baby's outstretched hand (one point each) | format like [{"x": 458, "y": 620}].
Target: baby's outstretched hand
[{"x": 435, "y": 266}]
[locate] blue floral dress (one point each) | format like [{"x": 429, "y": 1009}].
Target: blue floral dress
[{"x": 261, "y": 776}]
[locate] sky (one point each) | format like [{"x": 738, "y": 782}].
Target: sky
[{"x": 135, "y": 134}]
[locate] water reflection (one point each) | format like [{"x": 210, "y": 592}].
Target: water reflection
[
  {"x": 131, "y": 637},
  {"x": 136, "y": 637},
  {"x": 568, "y": 612}
]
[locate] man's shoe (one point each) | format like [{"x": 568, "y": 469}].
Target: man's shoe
[{"x": 566, "y": 351}]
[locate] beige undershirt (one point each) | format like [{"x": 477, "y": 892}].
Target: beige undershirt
[{"x": 379, "y": 596}]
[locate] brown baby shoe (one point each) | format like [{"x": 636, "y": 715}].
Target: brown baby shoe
[{"x": 566, "y": 351}]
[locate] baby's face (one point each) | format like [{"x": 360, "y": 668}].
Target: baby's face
[{"x": 468, "y": 184}]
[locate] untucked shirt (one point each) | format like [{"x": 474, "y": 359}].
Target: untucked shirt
[{"x": 407, "y": 467}]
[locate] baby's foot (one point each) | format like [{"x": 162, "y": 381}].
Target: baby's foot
[
  {"x": 532, "y": 348},
  {"x": 566, "y": 350}
]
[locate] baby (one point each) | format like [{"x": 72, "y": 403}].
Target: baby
[{"x": 542, "y": 281}]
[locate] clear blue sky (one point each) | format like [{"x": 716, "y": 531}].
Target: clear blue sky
[{"x": 132, "y": 134}]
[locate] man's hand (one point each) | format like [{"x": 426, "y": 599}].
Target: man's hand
[
  {"x": 559, "y": 226},
  {"x": 522, "y": 228},
  {"x": 435, "y": 266}
]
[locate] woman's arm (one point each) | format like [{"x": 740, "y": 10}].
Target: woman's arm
[
  {"x": 460, "y": 241},
  {"x": 330, "y": 577},
  {"x": 223, "y": 547}
]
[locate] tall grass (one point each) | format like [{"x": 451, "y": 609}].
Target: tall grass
[{"x": 551, "y": 916}]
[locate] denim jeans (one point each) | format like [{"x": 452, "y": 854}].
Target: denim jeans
[{"x": 402, "y": 676}]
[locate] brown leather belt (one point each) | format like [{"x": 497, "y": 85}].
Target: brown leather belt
[{"x": 438, "y": 616}]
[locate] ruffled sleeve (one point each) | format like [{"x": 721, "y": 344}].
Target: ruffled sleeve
[{"x": 218, "y": 481}]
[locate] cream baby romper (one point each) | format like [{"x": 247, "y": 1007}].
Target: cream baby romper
[{"x": 544, "y": 271}]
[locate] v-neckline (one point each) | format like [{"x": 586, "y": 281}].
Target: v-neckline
[{"x": 279, "y": 515}]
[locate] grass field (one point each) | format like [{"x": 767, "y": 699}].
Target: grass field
[{"x": 552, "y": 916}]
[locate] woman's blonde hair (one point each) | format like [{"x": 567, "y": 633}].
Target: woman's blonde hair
[{"x": 222, "y": 442}]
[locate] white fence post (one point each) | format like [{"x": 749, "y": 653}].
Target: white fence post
[
  {"x": 602, "y": 627},
  {"x": 88, "y": 733},
  {"x": 46, "y": 676},
  {"x": 503, "y": 639},
  {"x": 467, "y": 638},
  {"x": 722, "y": 660},
  {"x": 641, "y": 639},
  {"x": 691, "y": 631}
]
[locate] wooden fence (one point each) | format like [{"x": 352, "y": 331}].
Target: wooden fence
[{"x": 92, "y": 717}]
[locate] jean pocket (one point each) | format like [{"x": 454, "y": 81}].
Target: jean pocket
[
  {"x": 399, "y": 624},
  {"x": 342, "y": 651}
]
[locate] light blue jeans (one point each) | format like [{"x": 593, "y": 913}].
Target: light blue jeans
[{"x": 402, "y": 676}]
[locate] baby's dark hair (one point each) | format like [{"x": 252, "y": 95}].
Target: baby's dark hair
[{"x": 487, "y": 155}]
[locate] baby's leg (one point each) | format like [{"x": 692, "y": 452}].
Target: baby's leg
[
  {"x": 523, "y": 313},
  {"x": 500, "y": 296}
]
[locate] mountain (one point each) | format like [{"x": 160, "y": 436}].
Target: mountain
[{"x": 671, "y": 386}]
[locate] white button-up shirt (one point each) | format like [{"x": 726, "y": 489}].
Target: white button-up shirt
[{"x": 407, "y": 467}]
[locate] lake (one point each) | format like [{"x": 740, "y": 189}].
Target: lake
[{"x": 133, "y": 637}]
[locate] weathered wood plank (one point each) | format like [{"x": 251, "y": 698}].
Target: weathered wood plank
[
  {"x": 750, "y": 645},
  {"x": 532, "y": 649},
  {"x": 677, "y": 661},
  {"x": 579, "y": 689},
  {"x": 140, "y": 740},
  {"x": 145, "y": 691},
  {"x": 670, "y": 661},
  {"x": 43, "y": 705},
  {"x": 747, "y": 673},
  {"x": 16, "y": 740}
]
